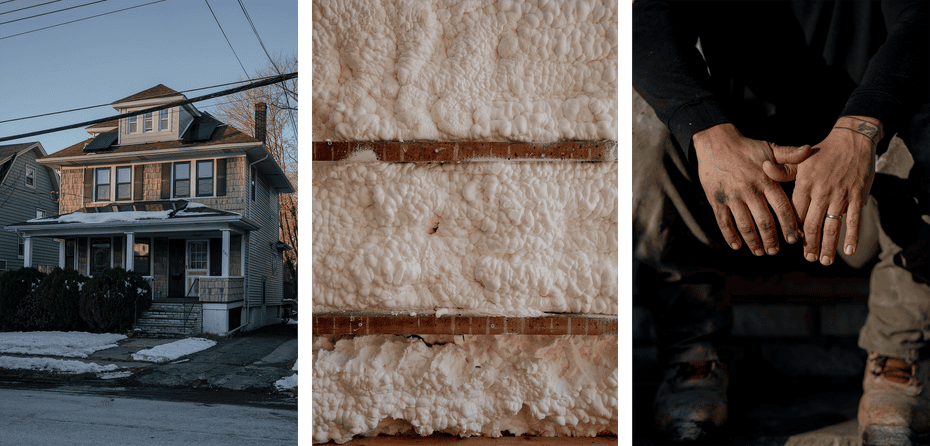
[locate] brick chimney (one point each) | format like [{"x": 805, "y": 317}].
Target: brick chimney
[{"x": 260, "y": 116}]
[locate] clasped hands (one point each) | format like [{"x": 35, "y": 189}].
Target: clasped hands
[{"x": 741, "y": 178}]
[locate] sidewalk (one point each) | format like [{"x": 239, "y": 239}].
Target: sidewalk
[{"x": 251, "y": 361}]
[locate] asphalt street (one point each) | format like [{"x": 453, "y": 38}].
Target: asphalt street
[{"x": 73, "y": 417}]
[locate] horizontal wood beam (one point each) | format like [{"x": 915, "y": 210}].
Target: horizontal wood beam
[
  {"x": 390, "y": 324},
  {"x": 432, "y": 151},
  {"x": 386, "y": 440}
]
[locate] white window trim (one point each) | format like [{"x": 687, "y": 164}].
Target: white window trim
[
  {"x": 29, "y": 170},
  {"x": 129, "y": 130},
  {"x": 112, "y": 197},
  {"x": 193, "y": 178},
  {"x": 168, "y": 127},
  {"x": 40, "y": 213},
  {"x": 144, "y": 123}
]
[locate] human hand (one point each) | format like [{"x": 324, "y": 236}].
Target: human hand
[
  {"x": 730, "y": 169},
  {"x": 836, "y": 179}
]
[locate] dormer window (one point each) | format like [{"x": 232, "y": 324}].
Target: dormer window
[
  {"x": 163, "y": 120},
  {"x": 148, "y": 123},
  {"x": 30, "y": 176},
  {"x": 133, "y": 125}
]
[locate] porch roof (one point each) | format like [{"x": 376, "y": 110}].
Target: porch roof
[{"x": 146, "y": 216}]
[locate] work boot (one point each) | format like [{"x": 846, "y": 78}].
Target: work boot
[
  {"x": 895, "y": 405},
  {"x": 691, "y": 404}
]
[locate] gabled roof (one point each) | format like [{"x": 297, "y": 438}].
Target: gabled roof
[
  {"x": 223, "y": 134},
  {"x": 10, "y": 149},
  {"x": 8, "y": 154},
  {"x": 154, "y": 92}
]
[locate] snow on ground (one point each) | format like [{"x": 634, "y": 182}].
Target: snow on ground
[
  {"x": 54, "y": 365},
  {"x": 114, "y": 375},
  {"x": 173, "y": 350},
  {"x": 288, "y": 382},
  {"x": 56, "y": 343}
]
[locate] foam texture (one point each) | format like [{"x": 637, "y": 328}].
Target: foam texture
[
  {"x": 488, "y": 70},
  {"x": 472, "y": 385},
  {"x": 517, "y": 239}
]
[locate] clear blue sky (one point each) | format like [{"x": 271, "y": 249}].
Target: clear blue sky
[{"x": 100, "y": 60}]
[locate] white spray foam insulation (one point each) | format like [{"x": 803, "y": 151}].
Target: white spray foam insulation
[
  {"x": 488, "y": 70},
  {"x": 515, "y": 239},
  {"x": 474, "y": 385}
]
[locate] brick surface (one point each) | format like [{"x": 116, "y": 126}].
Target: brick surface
[
  {"x": 537, "y": 325},
  {"x": 461, "y": 325},
  {"x": 578, "y": 326},
  {"x": 843, "y": 319},
  {"x": 771, "y": 320},
  {"x": 443, "y": 151},
  {"x": 341, "y": 150},
  {"x": 496, "y": 325}
]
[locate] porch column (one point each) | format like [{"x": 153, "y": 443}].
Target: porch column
[
  {"x": 27, "y": 251},
  {"x": 130, "y": 250},
  {"x": 225, "y": 272},
  {"x": 61, "y": 253}
]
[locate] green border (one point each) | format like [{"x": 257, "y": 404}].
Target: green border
[
  {"x": 625, "y": 431},
  {"x": 304, "y": 315}
]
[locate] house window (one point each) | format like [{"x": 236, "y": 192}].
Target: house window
[
  {"x": 124, "y": 183},
  {"x": 133, "y": 125},
  {"x": 31, "y": 177},
  {"x": 102, "y": 192},
  {"x": 253, "y": 184},
  {"x": 182, "y": 180},
  {"x": 204, "y": 178},
  {"x": 21, "y": 250},
  {"x": 163, "y": 120},
  {"x": 99, "y": 255},
  {"x": 40, "y": 213},
  {"x": 142, "y": 250},
  {"x": 197, "y": 255},
  {"x": 69, "y": 254},
  {"x": 148, "y": 123}
]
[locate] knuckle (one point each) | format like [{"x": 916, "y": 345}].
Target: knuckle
[
  {"x": 744, "y": 228},
  {"x": 830, "y": 232},
  {"x": 766, "y": 225}
]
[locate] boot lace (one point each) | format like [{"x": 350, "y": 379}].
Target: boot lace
[
  {"x": 695, "y": 370},
  {"x": 895, "y": 370}
]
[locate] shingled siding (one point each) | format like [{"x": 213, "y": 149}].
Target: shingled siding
[
  {"x": 72, "y": 190},
  {"x": 18, "y": 203},
  {"x": 235, "y": 188}
]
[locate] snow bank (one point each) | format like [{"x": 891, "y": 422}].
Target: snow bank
[
  {"x": 56, "y": 343},
  {"x": 286, "y": 383},
  {"x": 173, "y": 350},
  {"x": 473, "y": 385},
  {"x": 529, "y": 70},
  {"x": 54, "y": 365},
  {"x": 502, "y": 238}
]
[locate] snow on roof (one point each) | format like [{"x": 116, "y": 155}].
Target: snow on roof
[{"x": 167, "y": 210}]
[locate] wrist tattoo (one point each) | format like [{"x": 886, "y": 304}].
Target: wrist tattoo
[{"x": 867, "y": 130}]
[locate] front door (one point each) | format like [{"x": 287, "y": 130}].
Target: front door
[
  {"x": 198, "y": 264},
  {"x": 176, "y": 268}
]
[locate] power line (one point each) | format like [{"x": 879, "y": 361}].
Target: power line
[
  {"x": 261, "y": 83},
  {"x": 85, "y": 18},
  {"x": 52, "y": 12},
  {"x": 273, "y": 64},
  {"x": 33, "y": 6},
  {"x": 108, "y": 104},
  {"x": 227, "y": 39}
]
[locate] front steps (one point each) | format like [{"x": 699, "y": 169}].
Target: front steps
[{"x": 170, "y": 320}]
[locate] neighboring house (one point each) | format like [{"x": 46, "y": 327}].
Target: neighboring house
[
  {"x": 27, "y": 190},
  {"x": 182, "y": 199}
]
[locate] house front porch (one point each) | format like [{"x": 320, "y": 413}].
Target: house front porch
[{"x": 194, "y": 263}]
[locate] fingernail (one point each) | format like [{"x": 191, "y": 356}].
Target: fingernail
[
  {"x": 758, "y": 252},
  {"x": 811, "y": 257},
  {"x": 792, "y": 239},
  {"x": 825, "y": 260},
  {"x": 734, "y": 245},
  {"x": 849, "y": 250},
  {"x": 772, "y": 251}
]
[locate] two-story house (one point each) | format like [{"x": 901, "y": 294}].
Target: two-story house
[
  {"x": 182, "y": 199},
  {"x": 27, "y": 190}
]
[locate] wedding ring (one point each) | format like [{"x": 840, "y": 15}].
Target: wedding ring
[{"x": 838, "y": 217}]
